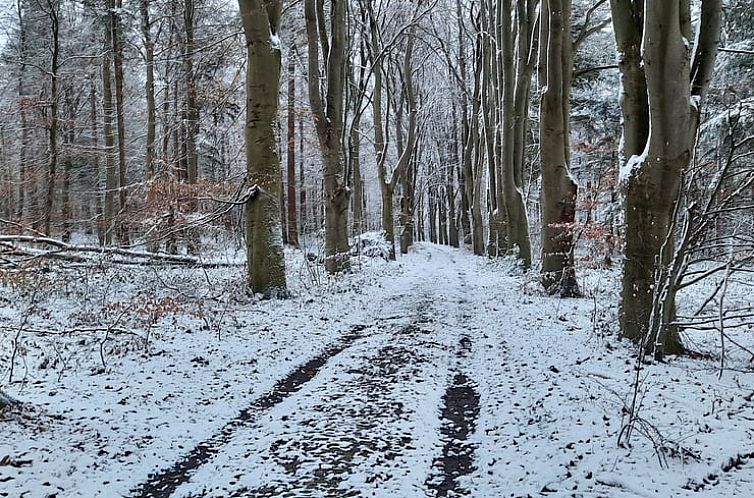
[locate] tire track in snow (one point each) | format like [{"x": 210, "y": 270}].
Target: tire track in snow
[
  {"x": 362, "y": 432},
  {"x": 364, "y": 410},
  {"x": 164, "y": 483}
]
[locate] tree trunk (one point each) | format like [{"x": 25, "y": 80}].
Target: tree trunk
[
  {"x": 68, "y": 134},
  {"x": 146, "y": 30},
  {"x": 117, "y": 47},
  {"x": 97, "y": 200},
  {"x": 301, "y": 176},
  {"x": 672, "y": 100},
  {"x": 433, "y": 216},
  {"x": 52, "y": 164},
  {"x": 266, "y": 261},
  {"x": 22, "y": 160},
  {"x": 450, "y": 189},
  {"x": 466, "y": 174},
  {"x": 558, "y": 197},
  {"x": 108, "y": 218},
  {"x": 292, "y": 224},
  {"x": 474, "y": 156},
  {"x": 328, "y": 121},
  {"x": 516, "y": 85},
  {"x": 192, "y": 119}
]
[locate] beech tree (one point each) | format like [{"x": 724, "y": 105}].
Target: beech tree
[
  {"x": 327, "y": 110},
  {"x": 664, "y": 88},
  {"x": 264, "y": 245},
  {"x": 559, "y": 190}
]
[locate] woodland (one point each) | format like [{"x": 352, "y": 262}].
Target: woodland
[{"x": 376, "y": 248}]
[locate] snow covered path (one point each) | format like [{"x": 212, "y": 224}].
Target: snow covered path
[
  {"x": 439, "y": 375},
  {"x": 365, "y": 419}
]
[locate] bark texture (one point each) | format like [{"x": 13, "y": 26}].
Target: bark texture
[
  {"x": 266, "y": 262},
  {"x": 328, "y": 121},
  {"x": 558, "y": 196},
  {"x": 665, "y": 116}
]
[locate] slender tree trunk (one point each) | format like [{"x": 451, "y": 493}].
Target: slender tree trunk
[
  {"x": 443, "y": 224},
  {"x": 266, "y": 261},
  {"x": 117, "y": 47},
  {"x": 69, "y": 135},
  {"x": 474, "y": 155},
  {"x": 192, "y": 118},
  {"x": 387, "y": 185},
  {"x": 108, "y": 112},
  {"x": 146, "y": 30},
  {"x": 466, "y": 174},
  {"x": 22, "y": 160},
  {"x": 291, "y": 156},
  {"x": 492, "y": 81},
  {"x": 454, "y": 149},
  {"x": 301, "y": 176},
  {"x": 433, "y": 215},
  {"x": 515, "y": 110},
  {"x": 52, "y": 164},
  {"x": 98, "y": 199},
  {"x": 283, "y": 184}
]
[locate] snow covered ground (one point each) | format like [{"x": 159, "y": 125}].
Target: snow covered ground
[{"x": 442, "y": 374}]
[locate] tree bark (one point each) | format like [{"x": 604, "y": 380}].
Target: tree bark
[
  {"x": 328, "y": 121},
  {"x": 266, "y": 261},
  {"x": 516, "y": 86},
  {"x": 52, "y": 162},
  {"x": 108, "y": 218},
  {"x": 146, "y": 30},
  {"x": 192, "y": 118},
  {"x": 117, "y": 48},
  {"x": 558, "y": 196},
  {"x": 292, "y": 224},
  {"x": 23, "y": 167},
  {"x": 474, "y": 155},
  {"x": 97, "y": 198},
  {"x": 674, "y": 95}
]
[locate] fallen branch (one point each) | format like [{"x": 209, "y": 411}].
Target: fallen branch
[
  {"x": 73, "y": 331},
  {"x": 7, "y": 402},
  {"x": 72, "y": 252}
]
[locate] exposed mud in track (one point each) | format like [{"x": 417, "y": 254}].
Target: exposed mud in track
[
  {"x": 164, "y": 483},
  {"x": 459, "y": 413}
]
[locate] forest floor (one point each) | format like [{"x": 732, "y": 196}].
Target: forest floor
[{"x": 442, "y": 374}]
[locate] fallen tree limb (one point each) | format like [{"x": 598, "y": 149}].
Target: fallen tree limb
[
  {"x": 72, "y": 252},
  {"x": 6, "y": 401}
]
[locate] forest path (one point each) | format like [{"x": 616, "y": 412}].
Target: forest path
[
  {"x": 442, "y": 374},
  {"x": 389, "y": 407}
]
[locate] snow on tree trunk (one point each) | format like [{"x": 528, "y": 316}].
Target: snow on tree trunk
[{"x": 652, "y": 178}]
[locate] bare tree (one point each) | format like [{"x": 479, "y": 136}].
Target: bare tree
[
  {"x": 558, "y": 198},
  {"x": 676, "y": 87},
  {"x": 327, "y": 110},
  {"x": 266, "y": 261}
]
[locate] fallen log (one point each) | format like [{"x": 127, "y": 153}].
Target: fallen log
[{"x": 73, "y": 252}]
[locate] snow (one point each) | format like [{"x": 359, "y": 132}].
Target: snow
[
  {"x": 632, "y": 166},
  {"x": 274, "y": 41},
  {"x": 695, "y": 101},
  {"x": 551, "y": 376}
]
